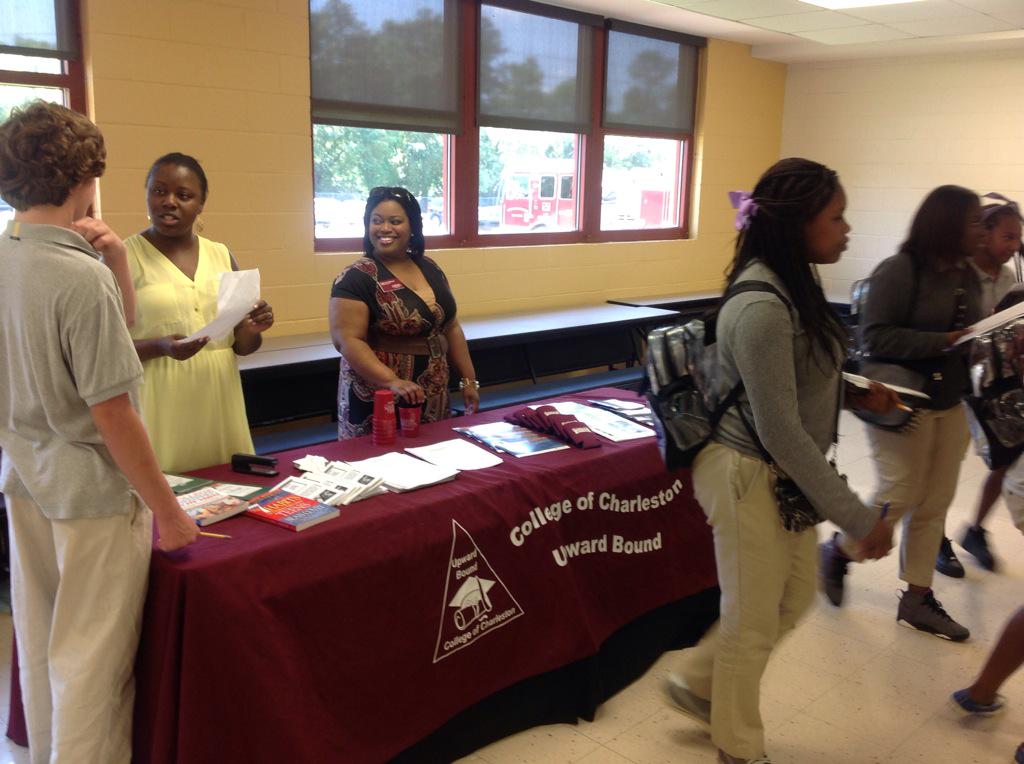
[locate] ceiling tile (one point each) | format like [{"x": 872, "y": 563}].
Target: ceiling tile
[
  {"x": 688, "y": 4},
  {"x": 806, "y": 22},
  {"x": 976, "y": 24},
  {"x": 930, "y": 9},
  {"x": 991, "y": 6},
  {"x": 866, "y": 33},
  {"x": 749, "y": 9},
  {"x": 1011, "y": 17}
]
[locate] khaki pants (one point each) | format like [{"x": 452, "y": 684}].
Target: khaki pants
[
  {"x": 1015, "y": 504},
  {"x": 918, "y": 470},
  {"x": 77, "y": 588},
  {"x": 767, "y": 576}
]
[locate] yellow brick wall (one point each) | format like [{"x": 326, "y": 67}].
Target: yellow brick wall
[{"x": 228, "y": 81}]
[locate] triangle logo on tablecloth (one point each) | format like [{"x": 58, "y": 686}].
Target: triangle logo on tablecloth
[{"x": 476, "y": 600}]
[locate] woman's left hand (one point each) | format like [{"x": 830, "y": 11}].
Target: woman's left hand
[
  {"x": 260, "y": 318},
  {"x": 879, "y": 399},
  {"x": 471, "y": 397}
]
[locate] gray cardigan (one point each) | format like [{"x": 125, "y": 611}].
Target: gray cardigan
[{"x": 791, "y": 396}]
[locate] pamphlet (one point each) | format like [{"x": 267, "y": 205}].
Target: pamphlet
[
  {"x": 239, "y": 291},
  {"x": 865, "y": 384},
  {"x": 354, "y": 484},
  {"x": 638, "y": 411},
  {"x": 345, "y": 480},
  {"x": 401, "y": 472},
  {"x": 184, "y": 484},
  {"x": 512, "y": 438},
  {"x": 456, "y": 454},
  {"x": 331, "y": 495},
  {"x": 240, "y": 490},
  {"x": 993, "y": 322}
]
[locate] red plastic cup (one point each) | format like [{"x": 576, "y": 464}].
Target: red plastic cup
[
  {"x": 384, "y": 424},
  {"x": 409, "y": 418}
]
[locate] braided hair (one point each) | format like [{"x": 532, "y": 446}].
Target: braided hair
[{"x": 789, "y": 195}]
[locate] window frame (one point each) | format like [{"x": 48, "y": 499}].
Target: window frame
[
  {"x": 462, "y": 169},
  {"x": 72, "y": 78}
]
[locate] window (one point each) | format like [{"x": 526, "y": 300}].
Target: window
[
  {"x": 39, "y": 58},
  {"x": 512, "y": 122},
  {"x": 349, "y": 161},
  {"x": 650, "y": 84},
  {"x": 385, "y": 107},
  {"x": 517, "y": 184}
]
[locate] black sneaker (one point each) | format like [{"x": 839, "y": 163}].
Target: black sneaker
[
  {"x": 832, "y": 570},
  {"x": 976, "y": 543},
  {"x": 946, "y": 561},
  {"x": 925, "y": 613}
]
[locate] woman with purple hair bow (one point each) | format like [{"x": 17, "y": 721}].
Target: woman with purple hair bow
[{"x": 788, "y": 353}]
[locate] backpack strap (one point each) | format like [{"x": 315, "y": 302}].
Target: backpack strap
[
  {"x": 754, "y": 286},
  {"x": 734, "y": 394}
]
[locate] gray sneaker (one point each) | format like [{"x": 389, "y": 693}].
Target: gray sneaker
[
  {"x": 925, "y": 613},
  {"x": 685, "y": 702},
  {"x": 725, "y": 758}
]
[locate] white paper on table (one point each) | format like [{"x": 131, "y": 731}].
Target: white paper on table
[
  {"x": 403, "y": 472},
  {"x": 456, "y": 454},
  {"x": 864, "y": 383},
  {"x": 239, "y": 291},
  {"x": 993, "y": 322},
  {"x": 607, "y": 424}
]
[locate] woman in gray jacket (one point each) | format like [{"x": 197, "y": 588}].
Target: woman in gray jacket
[
  {"x": 788, "y": 354},
  {"x": 920, "y": 302}
]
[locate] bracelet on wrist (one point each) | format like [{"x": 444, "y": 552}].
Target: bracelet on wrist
[{"x": 467, "y": 382}]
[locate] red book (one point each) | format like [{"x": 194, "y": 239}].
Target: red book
[{"x": 288, "y": 510}]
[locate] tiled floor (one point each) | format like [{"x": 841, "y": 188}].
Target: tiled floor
[{"x": 850, "y": 686}]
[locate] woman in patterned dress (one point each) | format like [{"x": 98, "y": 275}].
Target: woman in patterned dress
[{"x": 392, "y": 317}]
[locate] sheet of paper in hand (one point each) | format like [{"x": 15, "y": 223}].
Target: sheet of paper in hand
[{"x": 239, "y": 291}]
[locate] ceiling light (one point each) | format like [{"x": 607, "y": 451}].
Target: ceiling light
[{"x": 838, "y": 5}]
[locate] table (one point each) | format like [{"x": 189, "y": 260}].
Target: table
[
  {"x": 688, "y": 302},
  {"x": 356, "y": 638},
  {"x": 677, "y": 302}
]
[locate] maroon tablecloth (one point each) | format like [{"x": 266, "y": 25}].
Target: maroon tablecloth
[{"x": 354, "y": 639}]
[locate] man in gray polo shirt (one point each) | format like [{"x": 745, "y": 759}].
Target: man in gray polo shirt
[{"x": 78, "y": 470}]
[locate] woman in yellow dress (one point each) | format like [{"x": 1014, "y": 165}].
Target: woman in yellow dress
[{"x": 191, "y": 397}]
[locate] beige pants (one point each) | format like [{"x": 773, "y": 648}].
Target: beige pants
[
  {"x": 767, "y": 576},
  {"x": 77, "y": 588},
  {"x": 918, "y": 470},
  {"x": 1015, "y": 504}
]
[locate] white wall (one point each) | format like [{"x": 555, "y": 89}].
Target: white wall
[{"x": 895, "y": 129}]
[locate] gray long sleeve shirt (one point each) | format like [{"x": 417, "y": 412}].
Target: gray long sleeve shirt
[{"x": 791, "y": 396}]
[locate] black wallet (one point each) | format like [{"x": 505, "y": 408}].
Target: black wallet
[{"x": 253, "y": 464}]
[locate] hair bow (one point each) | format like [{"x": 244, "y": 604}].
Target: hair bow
[
  {"x": 990, "y": 209},
  {"x": 745, "y": 207}
]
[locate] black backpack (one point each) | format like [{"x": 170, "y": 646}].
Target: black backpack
[{"x": 683, "y": 382}]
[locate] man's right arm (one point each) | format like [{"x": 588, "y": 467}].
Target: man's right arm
[{"x": 125, "y": 437}]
